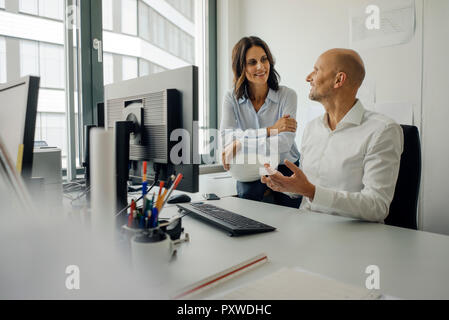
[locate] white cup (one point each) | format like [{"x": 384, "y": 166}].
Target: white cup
[{"x": 151, "y": 253}]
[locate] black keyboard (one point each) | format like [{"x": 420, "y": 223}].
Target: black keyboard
[{"x": 232, "y": 222}]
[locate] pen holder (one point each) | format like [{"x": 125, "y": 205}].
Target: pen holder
[
  {"x": 128, "y": 233},
  {"x": 151, "y": 252}
]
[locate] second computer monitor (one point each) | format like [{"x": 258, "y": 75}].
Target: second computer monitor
[
  {"x": 18, "y": 109},
  {"x": 165, "y": 108}
]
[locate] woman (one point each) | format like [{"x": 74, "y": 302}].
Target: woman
[{"x": 258, "y": 108}]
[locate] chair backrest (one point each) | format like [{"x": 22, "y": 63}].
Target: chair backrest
[{"x": 404, "y": 207}]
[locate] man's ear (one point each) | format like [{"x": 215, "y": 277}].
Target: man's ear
[{"x": 340, "y": 78}]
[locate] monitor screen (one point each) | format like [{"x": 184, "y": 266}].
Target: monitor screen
[{"x": 18, "y": 108}]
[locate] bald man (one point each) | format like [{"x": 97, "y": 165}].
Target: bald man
[{"x": 350, "y": 156}]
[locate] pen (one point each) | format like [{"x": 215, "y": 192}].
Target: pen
[
  {"x": 173, "y": 187},
  {"x": 161, "y": 185},
  {"x": 144, "y": 193},
  {"x": 153, "y": 217},
  {"x": 141, "y": 224},
  {"x": 144, "y": 176},
  {"x": 130, "y": 219},
  {"x": 160, "y": 201}
]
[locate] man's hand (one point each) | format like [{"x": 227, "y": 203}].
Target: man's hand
[
  {"x": 229, "y": 153},
  {"x": 284, "y": 124},
  {"x": 296, "y": 183}
]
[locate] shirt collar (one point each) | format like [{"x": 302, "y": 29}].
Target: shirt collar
[
  {"x": 272, "y": 95},
  {"x": 353, "y": 116}
]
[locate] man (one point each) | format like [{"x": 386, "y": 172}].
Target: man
[{"x": 350, "y": 156}]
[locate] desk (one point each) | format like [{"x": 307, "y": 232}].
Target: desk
[
  {"x": 413, "y": 264},
  {"x": 222, "y": 184}
]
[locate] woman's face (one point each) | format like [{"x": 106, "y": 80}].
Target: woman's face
[{"x": 257, "y": 66}]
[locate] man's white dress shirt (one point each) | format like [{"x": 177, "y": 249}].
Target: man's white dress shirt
[{"x": 355, "y": 167}]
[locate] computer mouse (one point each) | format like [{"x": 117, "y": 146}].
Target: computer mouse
[{"x": 179, "y": 198}]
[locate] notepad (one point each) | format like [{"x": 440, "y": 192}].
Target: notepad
[
  {"x": 297, "y": 284},
  {"x": 220, "y": 277}
]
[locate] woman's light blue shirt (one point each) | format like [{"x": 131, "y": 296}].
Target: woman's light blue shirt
[{"x": 240, "y": 120}]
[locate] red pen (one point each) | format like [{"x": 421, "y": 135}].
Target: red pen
[
  {"x": 133, "y": 208},
  {"x": 161, "y": 185},
  {"x": 131, "y": 213}
]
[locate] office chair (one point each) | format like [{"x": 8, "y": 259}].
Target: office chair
[{"x": 403, "y": 208}]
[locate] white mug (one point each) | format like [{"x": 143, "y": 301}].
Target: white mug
[{"x": 151, "y": 253}]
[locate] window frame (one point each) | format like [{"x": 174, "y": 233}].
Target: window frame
[{"x": 90, "y": 71}]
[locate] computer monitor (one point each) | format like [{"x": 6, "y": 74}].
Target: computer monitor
[
  {"x": 159, "y": 103},
  {"x": 18, "y": 108}
]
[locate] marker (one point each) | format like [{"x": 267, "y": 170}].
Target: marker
[
  {"x": 141, "y": 222},
  {"x": 144, "y": 176},
  {"x": 173, "y": 187},
  {"x": 161, "y": 185},
  {"x": 133, "y": 208},
  {"x": 144, "y": 193},
  {"x": 153, "y": 217},
  {"x": 130, "y": 220},
  {"x": 161, "y": 200}
]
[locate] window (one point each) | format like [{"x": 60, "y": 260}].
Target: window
[
  {"x": 185, "y": 7},
  {"x": 39, "y": 58},
  {"x": 50, "y": 127},
  {"x": 144, "y": 67},
  {"x": 51, "y": 62},
  {"x": 2, "y": 4},
  {"x": 44, "y": 60},
  {"x": 144, "y": 21},
  {"x": 107, "y": 14},
  {"x": 129, "y": 68},
  {"x": 29, "y": 6},
  {"x": 45, "y": 8},
  {"x": 29, "y": 58},
  {"x": 2, "y": 59},
  {"x": 108, "y": 68},
  {"x": 129, "y": 16},
  {"x": 167, "y": 36},
  {"x": 51, "y": 9}
]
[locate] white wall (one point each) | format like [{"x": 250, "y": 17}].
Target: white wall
[
  {"x": 435, "y": 148},
  {"x": 298, "y": 31}
]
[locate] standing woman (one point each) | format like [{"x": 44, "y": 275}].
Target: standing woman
[{"x": 258, "y": 108}]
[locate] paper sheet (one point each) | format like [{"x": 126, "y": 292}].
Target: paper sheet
[
  {"x": 397, "y": 24},
  {"x": 401, "y": 112},
  {"x": 298, "y": 284}
]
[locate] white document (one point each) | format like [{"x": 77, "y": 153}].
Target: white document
[
  {"x": 397, "y": 24},
  {"x": 401, "y": 112},
  {"x": 297, "y": 284}
]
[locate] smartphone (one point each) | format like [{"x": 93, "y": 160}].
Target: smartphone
[{"x": 211, "y": 196}]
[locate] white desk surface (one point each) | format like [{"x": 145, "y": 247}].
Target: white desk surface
[
  {"x": 413, "y": 264},
  {"x": 222, "y": 184}
]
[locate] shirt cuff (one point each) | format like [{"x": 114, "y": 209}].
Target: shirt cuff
[
  {"x": 292, "y": 195},
  {"x": 323, "y": 197}
]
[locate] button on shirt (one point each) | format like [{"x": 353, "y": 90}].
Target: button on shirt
[
  {"x": 355, "y": 167},
  {"x": 241, "y": 121}
]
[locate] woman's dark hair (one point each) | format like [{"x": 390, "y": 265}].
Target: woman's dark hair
[{"x": 239, "y": 63}]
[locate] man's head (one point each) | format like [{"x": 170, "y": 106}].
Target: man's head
[{"x": 337, "y": 71}]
